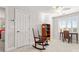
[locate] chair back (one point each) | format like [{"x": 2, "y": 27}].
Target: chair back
[
  {"x": 35, "y": 34},
  {"x": 66, "y": 34}
]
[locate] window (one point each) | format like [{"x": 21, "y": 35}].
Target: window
[
  {"x": 62, "y": 24},
  {"x": 68, "y": 23},
  {"x": 74, "y": 24}
]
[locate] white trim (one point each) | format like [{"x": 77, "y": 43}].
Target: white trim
[{"x": 9, "y": 49}]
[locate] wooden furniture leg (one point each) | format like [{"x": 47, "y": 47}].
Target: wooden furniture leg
[
  {"x": 71, "y": 38},
  {"x": 77, "y": 38}
]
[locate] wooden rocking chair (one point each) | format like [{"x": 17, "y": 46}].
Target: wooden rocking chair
[{"x": 40, "y": 41}]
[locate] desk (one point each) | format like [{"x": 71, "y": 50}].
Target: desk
[{"x": 71, "y": 34}]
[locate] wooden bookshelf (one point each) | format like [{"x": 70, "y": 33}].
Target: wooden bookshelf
[{"x": 46, "y": 30}]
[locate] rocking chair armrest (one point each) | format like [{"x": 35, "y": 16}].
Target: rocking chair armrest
[
  {"x": 42, "y": 36},
  {"x": 36, "y": 37}
]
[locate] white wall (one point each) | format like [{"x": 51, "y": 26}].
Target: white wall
[
  {"x": 2, "y": 12},
  {"x": 9, "y": 29},
  {"x": 2, "y": 16},
  {"x": 55, "y": 29}
]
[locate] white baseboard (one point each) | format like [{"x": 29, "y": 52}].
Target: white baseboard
[
  {"x": 12, "y": 48},
  {"x": 9, "y": 49}
]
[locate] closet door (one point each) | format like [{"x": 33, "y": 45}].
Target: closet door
[{"x": 21, "y": 28}]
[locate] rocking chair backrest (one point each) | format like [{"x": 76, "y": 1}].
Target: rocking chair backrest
[
  {"x": 35, "y": 34},
  {"x": 38, "y": 34}
]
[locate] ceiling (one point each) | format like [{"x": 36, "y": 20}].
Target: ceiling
[
  {"x": 63, "y": 10},
  {"x": 53, "y": 10}
]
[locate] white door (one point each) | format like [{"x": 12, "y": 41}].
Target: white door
[{"x": 21, "y": 28}]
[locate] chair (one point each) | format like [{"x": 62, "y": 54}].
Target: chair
[
  {"x": 41, "y": 40},
  {"x": 66, "y": 36}
]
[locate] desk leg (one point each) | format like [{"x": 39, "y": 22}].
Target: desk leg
[
  {"x": 76, "y": 38},
  {"x": 71, "y": 38},
  {"x": 63, "y": 38},
  {"x": 60, "y": 36}
]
